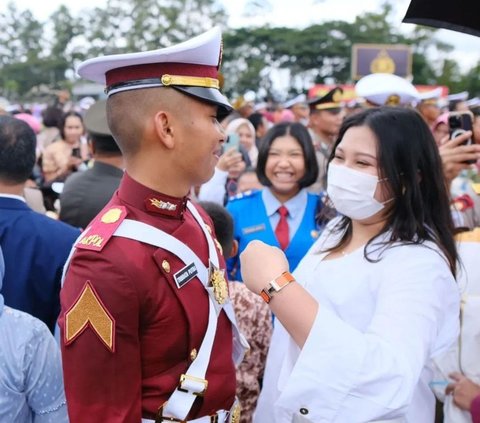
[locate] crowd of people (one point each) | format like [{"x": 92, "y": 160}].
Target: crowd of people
[{"x": 307, "y": 261}]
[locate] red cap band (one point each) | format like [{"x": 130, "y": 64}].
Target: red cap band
[{"x": 156, "y": 70}]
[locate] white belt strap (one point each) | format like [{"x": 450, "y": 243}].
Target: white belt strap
[
  {"x": 221, "y": 416},
  {"x": 139, "y": 231},
  {"x": 192, "y": 383}
]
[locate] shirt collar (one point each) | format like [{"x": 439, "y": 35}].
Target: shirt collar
[
  {"x": 295, "y": 205},
  {"x": 15, "y": 197},
  {"x": 143, "y": 198}
]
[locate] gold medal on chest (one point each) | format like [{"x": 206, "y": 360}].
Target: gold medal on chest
[{"x": 217, "y": 281}]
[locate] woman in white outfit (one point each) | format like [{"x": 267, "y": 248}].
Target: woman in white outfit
[{"x": 375, "y": 298}]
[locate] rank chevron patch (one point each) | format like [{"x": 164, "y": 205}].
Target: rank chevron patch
[{"x": 89, "y": 311}]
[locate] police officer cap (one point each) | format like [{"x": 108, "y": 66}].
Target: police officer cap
[
  {"x": 331, "y": 100},
  {"x": 96, "y": 119},
  {"x": 385, "y": 89},
  {"x": 191, "y": 67}
]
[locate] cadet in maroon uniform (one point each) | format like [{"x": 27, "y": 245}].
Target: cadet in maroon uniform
[{"x": 146, "y": 324}]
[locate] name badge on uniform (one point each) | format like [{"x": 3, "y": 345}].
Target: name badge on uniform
[
  {"x": 253, "y": 229},
  {"x": 185, "y": 275}
]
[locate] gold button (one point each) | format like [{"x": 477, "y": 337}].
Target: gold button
[
  {"x": 166, "y": 266},
  {"x": 209, "y": 229},
  {"x": 193, "y": 354},
  {"x": 166, "y": 79}
]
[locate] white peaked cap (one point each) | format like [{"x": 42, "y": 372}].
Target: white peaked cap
[
  {"x": 473, "y": 102},
  {"x": 191, "y": 67},
  {"x": 430, "y": 95},
  {"x": 458, "y": 96},
  {"x": 386, "y": 89},
  {"x": 302, "y": 98}
]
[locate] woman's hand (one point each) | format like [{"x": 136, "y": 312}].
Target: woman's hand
[
  {"x": 463, "y": 391},
  {"x": 229, "y": 159},
  {"x": 261, "y": 263},
  {"x": 455, "y": 155}
]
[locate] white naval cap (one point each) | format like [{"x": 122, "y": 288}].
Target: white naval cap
[
  {"x": 473, "y": 102},
  {"x": 386, "y": 89},
  {"x": 191, "y": 67},
  {"x": 458, "y": 96},
  {"x": 299, "y": 99},
  {"x": 430, "y": 96}
]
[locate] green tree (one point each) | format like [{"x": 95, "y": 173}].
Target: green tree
[
  {"x": 139, "y": 25},
  {"x": 21, "y": 40}
]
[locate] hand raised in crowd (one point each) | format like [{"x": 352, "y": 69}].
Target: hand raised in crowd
[
  {"x": 455, "y": 156},
  {"x": 463, "y": 390},
  {"x": 74, "y": 162},
  {"x": 230, "y": 160},
  {"x": 261, "y": 263}
]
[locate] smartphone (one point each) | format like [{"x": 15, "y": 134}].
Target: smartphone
[
  {"x": 76, "y": 152},
  {"x": 233, "y": 142},
  {"x": 460, "y": 122}
]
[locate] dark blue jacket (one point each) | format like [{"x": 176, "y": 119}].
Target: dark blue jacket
[{"x": 35, "y": 248}]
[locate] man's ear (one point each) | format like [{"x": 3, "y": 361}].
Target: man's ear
[
  {"x": 163, "y": 128},
  {"x": 234, "y": 250},
  {"x": 91, "y": 146}
]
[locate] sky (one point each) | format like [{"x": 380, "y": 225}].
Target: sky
[{"x": 297, "y": 13}]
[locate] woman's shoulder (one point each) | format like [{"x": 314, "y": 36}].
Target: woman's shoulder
[{"x": 58, "y": 145}]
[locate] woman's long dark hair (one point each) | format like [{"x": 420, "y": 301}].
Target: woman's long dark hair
[{"x": 409, "y": 159}]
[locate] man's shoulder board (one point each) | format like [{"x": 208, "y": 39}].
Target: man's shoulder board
[{"x": 102, "y": 228}]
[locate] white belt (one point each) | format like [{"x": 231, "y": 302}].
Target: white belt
[{"x": 220, "y": 417}]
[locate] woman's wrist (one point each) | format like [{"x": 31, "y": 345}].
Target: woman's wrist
[{"x": 276, "y": 285}]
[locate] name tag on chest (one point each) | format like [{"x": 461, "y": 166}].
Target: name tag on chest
[
  {"x": 253, "y": 229},
  {"x": 185, "y": 275}
]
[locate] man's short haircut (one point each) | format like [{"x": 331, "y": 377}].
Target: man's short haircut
[
  {"x": 17, "y": 150},
  {"x": 127, "y": 113},
  {"x": 222, "y": 223},
  {"x": 105, "y": 144}
]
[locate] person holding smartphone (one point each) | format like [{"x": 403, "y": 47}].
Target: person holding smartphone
[
  {"x": 65, "y": 156},
  {"x": 460, "y": 153}
]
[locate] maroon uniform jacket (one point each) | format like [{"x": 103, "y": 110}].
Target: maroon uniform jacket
[{"x": 142, "y": 330}]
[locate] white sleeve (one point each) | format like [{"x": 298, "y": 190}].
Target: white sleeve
[
  {"x": 214, "y": 189},
  {"x": 345, "y": 375},
  {"x": 44, "y": 378}
]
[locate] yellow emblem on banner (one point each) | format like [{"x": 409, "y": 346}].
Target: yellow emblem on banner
[
  {"x": 111, "y": 216},
  {"x": 219, "y": 284},
  {"x": 383, "y": 63},
  {"x": 88, "y": 310}
]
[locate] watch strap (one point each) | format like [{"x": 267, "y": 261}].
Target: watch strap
[{"x": 276, "y": 285}]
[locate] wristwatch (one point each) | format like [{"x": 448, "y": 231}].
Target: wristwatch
[{"x": 276, "y": 285}]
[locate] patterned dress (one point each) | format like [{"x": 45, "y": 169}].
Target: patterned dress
[{"x": 255, "y": 322}]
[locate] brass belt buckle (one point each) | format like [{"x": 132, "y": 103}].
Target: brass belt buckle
[
  {"x": 188, "y": 378},
  {"x": 160, "y": 418}
]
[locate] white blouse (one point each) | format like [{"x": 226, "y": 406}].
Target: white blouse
[{"x": 367, "y": 357}]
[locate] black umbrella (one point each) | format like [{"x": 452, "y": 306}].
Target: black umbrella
[{"x": 459, "y": 15}]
